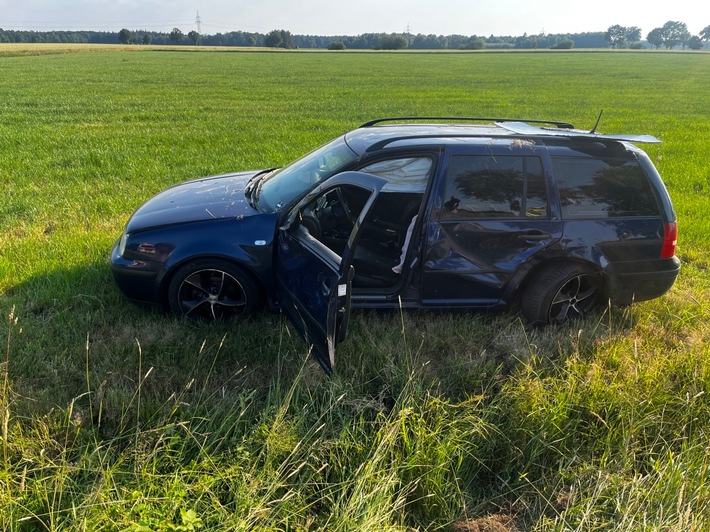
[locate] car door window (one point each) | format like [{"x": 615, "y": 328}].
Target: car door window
[
  {"x": 409, "y": 174},
  {"x": 479, "y": 186},
  {"x": 330, "y": 217}
]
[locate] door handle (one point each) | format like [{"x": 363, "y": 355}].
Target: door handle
[{"x": 534, "y": 236}]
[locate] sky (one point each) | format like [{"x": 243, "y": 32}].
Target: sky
[{"x": 354, "y": 17}]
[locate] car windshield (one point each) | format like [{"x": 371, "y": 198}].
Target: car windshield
[{"x": 291, "y": 182}]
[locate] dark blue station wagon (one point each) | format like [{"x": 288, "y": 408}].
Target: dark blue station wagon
[{"x": 441, "y": 215}]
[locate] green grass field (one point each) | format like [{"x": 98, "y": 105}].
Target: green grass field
[{"x": 116, "y": 418}]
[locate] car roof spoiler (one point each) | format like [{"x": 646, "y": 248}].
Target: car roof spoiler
[
  {"x": 529, "y": 128},
  {"x": 523, "y": 128},
  {"x": 556, "y": 123}
]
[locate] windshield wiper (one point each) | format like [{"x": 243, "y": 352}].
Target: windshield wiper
[
  {"x": 253, "y": 186},
  {"x": 252, "y": 183}
]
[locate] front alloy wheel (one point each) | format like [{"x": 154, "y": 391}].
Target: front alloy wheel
[{"x": 212, "y": 291}]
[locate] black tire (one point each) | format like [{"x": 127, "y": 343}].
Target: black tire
[
  {"x": 213, "y": 290},
  {"x": 561, "y": 292}
]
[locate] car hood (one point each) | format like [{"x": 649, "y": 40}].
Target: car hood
[{"x": 208, "y": 198}]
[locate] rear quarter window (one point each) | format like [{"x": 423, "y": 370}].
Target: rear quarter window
[{"x": 603, "y": 188}]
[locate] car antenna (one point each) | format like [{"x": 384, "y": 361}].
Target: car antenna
[{"x": 594, "y": 129}]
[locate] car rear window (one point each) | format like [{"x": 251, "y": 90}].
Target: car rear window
[
  {"x": 603, "y": 188},
  {"x": 479, "y": 186}
]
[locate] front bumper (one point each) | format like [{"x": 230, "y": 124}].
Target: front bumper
[{"x": 138, "y": 280}]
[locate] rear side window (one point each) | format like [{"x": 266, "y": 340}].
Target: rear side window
[
  {"x": 479, "y": 186},
  {"x": 609, "y": 188}
]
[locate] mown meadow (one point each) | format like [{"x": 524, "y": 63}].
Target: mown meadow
[{"x": 117, "y": 418}]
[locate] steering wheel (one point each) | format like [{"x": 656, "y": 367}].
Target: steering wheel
[
  {"x": 310, "y": 219},
  {"x": 313, "y": 226}
]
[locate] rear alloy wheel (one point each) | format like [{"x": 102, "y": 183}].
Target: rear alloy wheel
[
  {"x": 561, "y": 292},
  {"x": 212, "y": 290}
]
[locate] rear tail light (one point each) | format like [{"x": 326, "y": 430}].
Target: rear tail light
[{"x": 670, "y": 239}]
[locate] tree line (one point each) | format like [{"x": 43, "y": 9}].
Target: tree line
[
  {"x": 671, "y": 35},
  {"x": 284, "y": 39}
]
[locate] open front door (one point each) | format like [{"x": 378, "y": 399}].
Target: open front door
[{"x": 313, "y": 262}]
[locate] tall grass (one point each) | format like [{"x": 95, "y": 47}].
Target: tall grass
[
  {"x": 118, "y": 418},
  {"x": 291, "y": 457}
]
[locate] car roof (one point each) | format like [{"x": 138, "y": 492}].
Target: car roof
[{"x": 392, "y": 132}]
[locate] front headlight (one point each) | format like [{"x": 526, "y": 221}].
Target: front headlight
[{"x": 122, "y": 243}]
